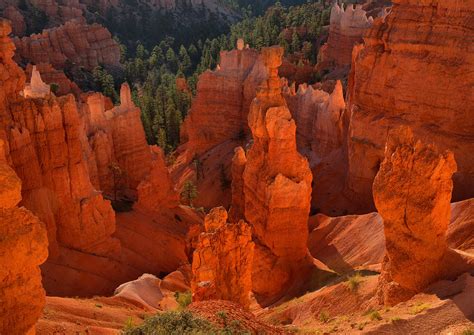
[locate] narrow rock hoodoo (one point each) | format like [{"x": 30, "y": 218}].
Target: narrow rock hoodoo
[
  {"x": 412, "y": 192},
  {"x": 277, "y": 187},
  {"x": 222, "y": 261}
]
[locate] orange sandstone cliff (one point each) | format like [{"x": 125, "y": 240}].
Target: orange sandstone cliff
[
  {"x": 347, "y": 26},
  {"x": 74, "y": 42},
  {"x": 63, "y": 152},
  {"x": 413, "y": 69},
  {"x": 23, "y": 247}
]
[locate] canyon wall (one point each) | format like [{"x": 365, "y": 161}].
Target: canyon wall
[
  {"x": 216, "y": 124},
  {"x": 346, "y": 29},
  {"x": 320, "y": 137},
  {"x": 23, "y": 247},
  {"x": 65, "y": 153},
  {"x": 219, "y": 110},
  {"x": 413, "y": 70},
  {"x": 73, "y": 43}
]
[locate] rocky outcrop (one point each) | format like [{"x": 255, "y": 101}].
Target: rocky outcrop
[
  {"x": 412, "y": 192},
  {"x": 157, "y": 191},
  {"x": 23, "y": 247},
  {"x": 387, "y": 90},
  {"x": 36, "y": 88},
  {"x": 56, "y": 79},
  {"x": 74, "y": 43},
  {"x": 222, "y": 261},
  {"x": 120, "y": 154},
  {"x": 220, "y": 108},
  {"x": 237, "y": 211},
  {"x": 320, "y": 135},
  {"x": 216, "y": 124},
  {"x": 347, "y": 27},
  {"x": 277, "y": 186},
  {"x": 17, "y": 20}
]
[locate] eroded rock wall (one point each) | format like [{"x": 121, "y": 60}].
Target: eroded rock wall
[
  {"x": 413, "y": 70},
  {"x": 222, "y": 261},
  {"x": 23, "y": 247}
]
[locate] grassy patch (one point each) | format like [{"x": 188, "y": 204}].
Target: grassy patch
[
  {"x": 418, "y": 308},
  {"x": 324, "y": 317},
  {"x": 395, "y": 319},
  {"x": 354, "y": 281},
  {"x": 172, "y": 323},
  {"x": 373, "y": 315},
  {"x": 468, "y": 332}
]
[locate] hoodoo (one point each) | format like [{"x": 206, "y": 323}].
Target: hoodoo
[
  {"x": 277, "y": 186},
  {"x": 222, "y": 261}
]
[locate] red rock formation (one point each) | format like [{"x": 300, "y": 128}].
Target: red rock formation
[
  {"x": 17, "y": 20},
  {"x": 74, "y": 42},
  {"x": 237, "y": 211},
  {"x": 347, "y": 26},
  {"x": 220, "y": 108},
  {"x": 116, "y": 138},
  {"x": 52, "y": 77},
  {"x": 412, "y": 192},
  {"x": 320, "y": 135},
  {"x": 157, "y": 191},
  {"x": 222, "y": 261},
  {"x": 216, "y": 124},
  {"x": 277, "y": 187},
  {"x": 36, "y": 88},
  {"x": 413, "y": 72},
  {"x": 23, "y": 247}
]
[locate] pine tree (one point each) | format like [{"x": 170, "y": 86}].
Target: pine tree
[{"x": 185, "y": 60}]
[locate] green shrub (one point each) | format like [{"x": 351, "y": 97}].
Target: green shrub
[
  {"x": 420, "y": 307},
  {"x": 172, "y": 323},
  {"x": 375, "y": 316},
  {"x": 183, "y": 299},
  {"x": 353, "y": 282}
]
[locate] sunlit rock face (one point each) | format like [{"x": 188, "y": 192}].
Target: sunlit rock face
[
  {"x": 413, "y": 71},
  {"x": 277, "y": 186},
  {"x": 412, "y": 192},
  {"x": 36, "y": 88},
  {"x": 222, "y": 261},
  {"x": 220, "y": 108},
  {"x": 23, "y": 247}
]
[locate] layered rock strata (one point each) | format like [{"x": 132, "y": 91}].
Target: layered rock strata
[
  {"x": 222, "y": 261},
  {"x": 387, "y": 90},
  {"x": 23, "y": 247},
  {"x": 74, "y": 43},
  {"x": 277, "y": 186},
  {"x": 346, "y": 29},
  {"x": 412, "y": 192}
]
